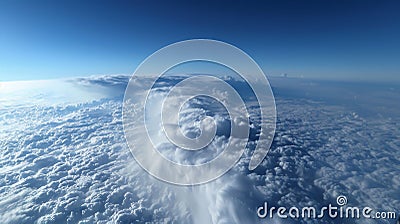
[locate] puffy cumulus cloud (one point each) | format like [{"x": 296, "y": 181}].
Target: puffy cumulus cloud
[
  {"x": 66, "y": 164},
  {"x": 70, "y": 163}
]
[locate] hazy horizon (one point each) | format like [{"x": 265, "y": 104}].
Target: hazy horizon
[{"x": 342, "y": 40}]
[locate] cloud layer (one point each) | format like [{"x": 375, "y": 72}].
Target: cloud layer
[{"x": 69, "y": 163}]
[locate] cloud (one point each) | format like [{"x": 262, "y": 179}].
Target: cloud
[{"x": 70, "y": 163}]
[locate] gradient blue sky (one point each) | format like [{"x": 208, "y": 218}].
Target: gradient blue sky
[{"x": 320, "y": 39}]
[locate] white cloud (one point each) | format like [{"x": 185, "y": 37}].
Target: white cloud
[{"x": 71, "y": 163}]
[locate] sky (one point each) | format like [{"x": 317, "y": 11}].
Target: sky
[{"x": 356, "y": 40}]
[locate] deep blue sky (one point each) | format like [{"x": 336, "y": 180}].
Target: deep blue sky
[{"x": 323, "y": 39}]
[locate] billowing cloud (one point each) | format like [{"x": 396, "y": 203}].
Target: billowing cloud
[{"x": 70, "y": 162}]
